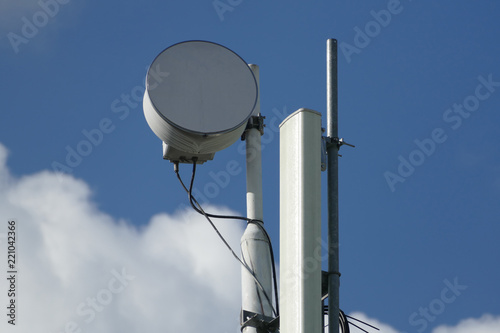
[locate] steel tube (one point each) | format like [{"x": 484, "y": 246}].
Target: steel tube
[
  {"x": 333, "y": 189},
  {"x": 255, "y": 247}
]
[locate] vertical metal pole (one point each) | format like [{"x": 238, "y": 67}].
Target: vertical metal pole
[
  {"x": 333, "y": 188},
  {"x": 255, "y": 247},
  {"x": 254, "y": 161}
]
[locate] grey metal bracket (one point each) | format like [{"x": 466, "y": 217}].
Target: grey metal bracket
[
  {"x": 324, "y": 283},
  {"x": 327, "y": 142},
  {"x": 256, "y": 122},
  {"x": 323, "y": 154},
  {"x": 259, "y": 321},
  {"x": 337, "y": 141}
]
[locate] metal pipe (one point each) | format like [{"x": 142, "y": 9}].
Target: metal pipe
[
  {"x": 254, "y": 162},
  {"x": 333, "y": 189},
  {"x": 255, "y": 247}
]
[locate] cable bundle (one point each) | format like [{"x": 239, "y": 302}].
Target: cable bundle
[{"x": 197, "y": 207}]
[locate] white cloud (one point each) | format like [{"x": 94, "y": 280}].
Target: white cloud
[
  {"x": 176, "y": 275},
  {"x": 486, "y": 324}
]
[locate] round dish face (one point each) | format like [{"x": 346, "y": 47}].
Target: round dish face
[{"x": 201, "y": 87}]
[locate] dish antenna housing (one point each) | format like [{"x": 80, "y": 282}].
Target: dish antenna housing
[{"x": 203, "y": 103}]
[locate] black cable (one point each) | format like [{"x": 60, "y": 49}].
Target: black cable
[
  {"x": 353, "y": 324},
  {"x": 192, "y": 201},
  {"x": 197, "y": 207},
  {"x": 344, "y": 321},
  {"x": 362, "y": 322},
  {"x": 200, "y": 210}
]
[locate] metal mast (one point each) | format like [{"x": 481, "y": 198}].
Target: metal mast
[
  {"x": 333, "y": 187},
  {"x": 257, "y": 308}
]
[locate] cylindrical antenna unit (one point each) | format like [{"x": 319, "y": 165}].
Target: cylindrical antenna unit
[{"x": 199, "y": 97}]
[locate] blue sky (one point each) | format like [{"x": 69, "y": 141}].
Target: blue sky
[{"x": 419, "y": 94}]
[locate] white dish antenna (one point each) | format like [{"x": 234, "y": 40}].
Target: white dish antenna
[{"x": 202, "y": 100}]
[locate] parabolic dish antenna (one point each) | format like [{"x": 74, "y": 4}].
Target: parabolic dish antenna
[{"x": 199, "y": 97}]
